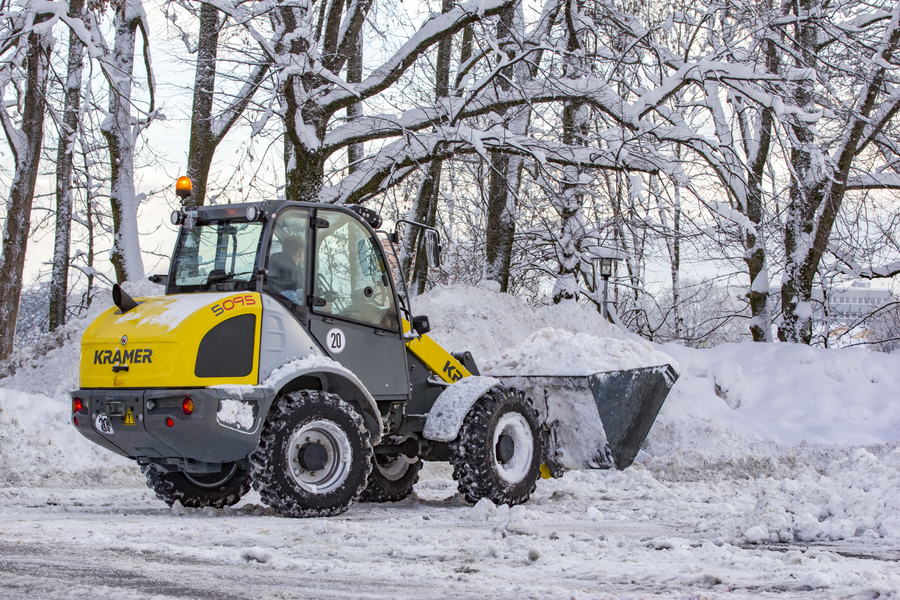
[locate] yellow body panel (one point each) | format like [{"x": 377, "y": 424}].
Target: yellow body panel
[
  {"x": 159, "y": 339},
  {"x": 436, "y": 358}
]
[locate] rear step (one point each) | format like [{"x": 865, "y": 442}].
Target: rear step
[{"x": 596, "y": 421}]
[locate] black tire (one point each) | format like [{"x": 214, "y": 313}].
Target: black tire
[
  {"x": 313, "y": 456},
  {"x": 392, "y": 478},
  {"x": 478, "y": 457},
  {"x": 196, "y": 491}
]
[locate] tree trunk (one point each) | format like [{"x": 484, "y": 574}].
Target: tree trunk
[
  {"x": 355, "y": 152},
  {"x": 118, "y": 129},
  {"x": 672, "y": 235},
  {"x": 500, "y": 220},
  {"x": 59, "y": 278},
  {"x": 569, "y": 205},
  {"x": 26, "y": 149},
  {"x": 427, "y": 199},
  {"x": 805, "y": 192},
  {"x": 754, "y": 243},
  {"x": 203, "y": 143},
  {"x": 208, "y": 130}
]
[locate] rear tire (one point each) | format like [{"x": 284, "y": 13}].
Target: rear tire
[
  {"x": 195, "y": 490},
  {"x": 497, "y": 454},
  {"x": 392, "y": 479},
  {"x": 313, "y": 456}
]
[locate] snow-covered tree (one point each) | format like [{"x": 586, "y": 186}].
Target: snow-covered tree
[
  {"x": 211, "y": 123},
  {"x": 25, "y": 41},
  {"x": 121, "y": 129},
  {"x": 65, "y": 153}
]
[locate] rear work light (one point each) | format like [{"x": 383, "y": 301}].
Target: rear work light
[
  {"x": 187, "y": 406},
  {"x": 77, "y": 405}
]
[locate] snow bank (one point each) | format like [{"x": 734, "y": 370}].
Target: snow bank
[
  {"x": 855, "y": 497},
  {"x": 40, "y": 448},
  {"x": 38, "y": 445},
  {"x": 488, "y": 323},
  {"x": 789, "y": 393}
]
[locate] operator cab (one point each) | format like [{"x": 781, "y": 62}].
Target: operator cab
[
  {"x": 323, "y": 264},
  {"x": 327, "y": 259}
]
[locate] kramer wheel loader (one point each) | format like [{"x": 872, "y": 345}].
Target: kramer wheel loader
[{"x": 284, "y": 356}]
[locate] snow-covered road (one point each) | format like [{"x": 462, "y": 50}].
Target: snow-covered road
[{"x": 588, "y": 535}]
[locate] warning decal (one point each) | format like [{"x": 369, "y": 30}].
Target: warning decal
[{"x": 129, "y": 418}]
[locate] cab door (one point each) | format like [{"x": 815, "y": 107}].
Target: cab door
[{"x": 353, "y": 305}]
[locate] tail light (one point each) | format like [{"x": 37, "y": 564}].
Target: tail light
[
  {"x": 187, "y": 406},
  {"x": 77, "y": 405}
]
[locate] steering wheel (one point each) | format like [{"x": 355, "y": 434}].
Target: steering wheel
[{"x": 323, "y": 291}]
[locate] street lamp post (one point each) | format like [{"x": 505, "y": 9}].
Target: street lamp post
[{"x": 606, "y": 265}]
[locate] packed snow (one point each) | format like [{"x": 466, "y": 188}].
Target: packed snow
[
  {"x": 772, "y": 470},
  {"x": 236, "y": 413},
  {"x": 551, "y": 351}
]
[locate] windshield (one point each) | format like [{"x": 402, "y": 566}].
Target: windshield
[{"x": 217, "y": 256}]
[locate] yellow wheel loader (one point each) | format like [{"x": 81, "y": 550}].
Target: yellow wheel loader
[{"x": 284, "y": 355}]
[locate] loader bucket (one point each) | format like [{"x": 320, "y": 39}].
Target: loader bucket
[{"x": 596, "y": 421}]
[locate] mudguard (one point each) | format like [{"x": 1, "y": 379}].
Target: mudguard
[
  {"x": 336, "y": 379},
  {"x": 449, "y": 410}
]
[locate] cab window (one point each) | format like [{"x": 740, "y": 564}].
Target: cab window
[
  {"x": 286, "y": 260},
  {"x": 351, "y": 276},
  {"x": 219, "y": 255}
]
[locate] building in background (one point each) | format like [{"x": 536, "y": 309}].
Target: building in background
[
  {"x": 858, "y": 300},
  {"x": 845, "y": 317}
]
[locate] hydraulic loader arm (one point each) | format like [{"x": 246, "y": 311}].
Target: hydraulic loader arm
[{"x": 441, "y": 362}]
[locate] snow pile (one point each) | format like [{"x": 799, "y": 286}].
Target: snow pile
[
  {"x": 551, "y": 351},
  {"x": 40, "y": 448},
  {"x": 789, "y": 393},
  {"x": 487, "y": 323}
]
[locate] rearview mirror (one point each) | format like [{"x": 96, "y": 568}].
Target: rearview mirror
[
  {"x": 420, "y": 324},
  {"x": 432, "y": 249}
]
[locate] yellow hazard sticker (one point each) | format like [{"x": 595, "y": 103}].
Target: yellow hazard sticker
[{"x": 129, "y": 418}]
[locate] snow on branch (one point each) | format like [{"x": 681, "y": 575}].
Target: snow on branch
[
  {"x": 854, "y": 269},
  {"x": 397, "y": 158},
  {"x": 434, "y": 29},
  {"x": 874, "y": 181}
]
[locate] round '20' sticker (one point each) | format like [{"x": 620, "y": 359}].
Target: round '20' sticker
[{"x": 335, "y": 340}]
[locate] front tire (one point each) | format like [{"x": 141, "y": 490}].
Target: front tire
[
  {"x": 392, "y": 478},
  {"x": 196, "y": 491},
  {"x": 497, "y": 454},
  {"x": 313, "y": 456}
]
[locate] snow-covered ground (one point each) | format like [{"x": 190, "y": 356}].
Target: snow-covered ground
[{"x": 772, "y": 470}]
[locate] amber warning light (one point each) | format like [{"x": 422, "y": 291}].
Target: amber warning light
[{"x": 183, "y": 187}]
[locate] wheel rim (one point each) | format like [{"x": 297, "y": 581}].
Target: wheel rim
[
  {"x": 335, "y": 465},
  {"x": 515, "y": 429},
  {"x": 212, "y": 480},
  {"x": 392, "y": 467}
]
